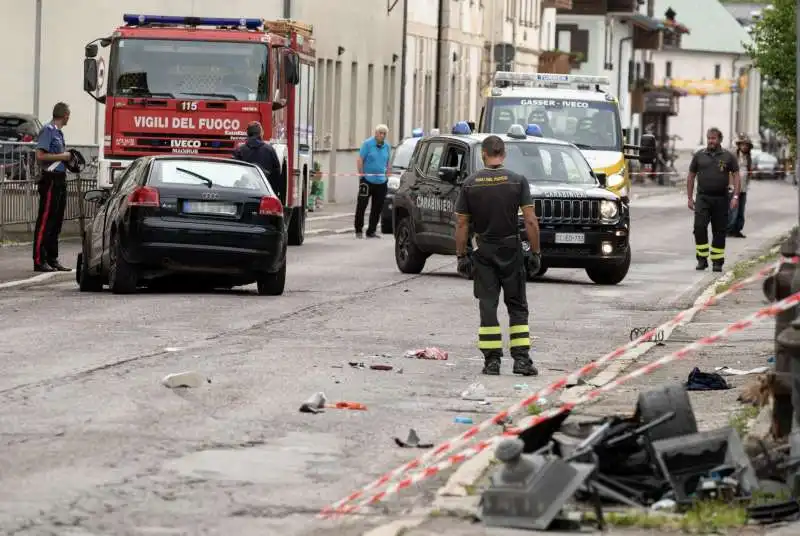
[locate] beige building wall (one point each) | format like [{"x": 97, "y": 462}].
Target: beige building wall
[{"x": 368, "y": 34}]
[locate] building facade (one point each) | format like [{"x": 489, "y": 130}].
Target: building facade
[{"x": 358, "y": 44}]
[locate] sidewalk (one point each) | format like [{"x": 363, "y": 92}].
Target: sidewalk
[{"x": 713, "y": 409}]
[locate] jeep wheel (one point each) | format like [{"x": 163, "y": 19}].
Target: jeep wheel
[
  {"x": 610, "y": 274},
  {"x": 410, "y": 259}
]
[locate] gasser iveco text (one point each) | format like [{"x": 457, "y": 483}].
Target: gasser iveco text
[{"x": 582, "y": 224}]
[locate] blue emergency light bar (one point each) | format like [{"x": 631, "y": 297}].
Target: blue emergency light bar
[
  {"x": 417, "y": 133},
  {"x": 534, "y": 130},
  {"x": 461, "y": 128},
  {"x": 140, "y": 20}
]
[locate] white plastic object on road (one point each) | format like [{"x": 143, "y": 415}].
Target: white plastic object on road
[
  {"x": 185, "y": 379},
  {"x": 475, "y": 392},
  {"x": 728, "y": 371}
]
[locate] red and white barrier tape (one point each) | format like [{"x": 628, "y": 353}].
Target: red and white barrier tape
[
  {"x": 741, "y": 325},
  {"x": 632, "y": 173},
  {"x": 451, "y": 445}
]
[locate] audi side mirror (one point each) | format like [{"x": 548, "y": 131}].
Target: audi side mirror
[{"x": 95, "y": 196}]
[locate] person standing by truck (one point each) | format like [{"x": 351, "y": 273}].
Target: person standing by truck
[
  {"x": 373, "y": 170},
  {"x": 717, "y": 173},
  {"x": 52, "y": 186},
  {"x": 256, "y": 151}
]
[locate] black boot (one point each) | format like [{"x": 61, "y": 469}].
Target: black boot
[
  {"x": 717, "y": 267},
  {"x": 702, "y": 264},
  {"x": 525, "y": 367},
  {"x": 491, "y": 367}
]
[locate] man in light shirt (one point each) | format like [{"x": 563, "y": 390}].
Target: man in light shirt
[{"x": 736, "y": 217}]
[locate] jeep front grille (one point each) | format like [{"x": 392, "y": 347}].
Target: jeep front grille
[{"x": 576, "y": 211}]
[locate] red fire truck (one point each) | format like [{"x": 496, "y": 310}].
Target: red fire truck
[{"x": 190, "y": 85}]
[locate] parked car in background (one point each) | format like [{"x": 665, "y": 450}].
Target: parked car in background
[
  {"x": 18, "y": 161},
  {"x": 174, "y": 220},
  {"x": 401, "y": 156},
  {"x": 766, "y": 166}
]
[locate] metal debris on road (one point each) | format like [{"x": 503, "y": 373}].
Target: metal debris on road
[
  {"x": 357, "y": 365},
  {"x": 381, "y": 367},
  {"x": 314, "y": 404},
  {"x": 412, "y": 441},
  {"x": 185, "y": 379},
  {"x": 431, "y": 353},
  {"x": 476, "y": 392}
]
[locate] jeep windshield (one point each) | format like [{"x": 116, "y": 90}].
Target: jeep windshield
[
  {"x": 546, "y": 163},
  {"x": 590, "y": 125},
  {"x": 179, "y": 69}
]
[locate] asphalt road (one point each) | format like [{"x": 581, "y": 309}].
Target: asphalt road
[{"x": 92, "y": 443}]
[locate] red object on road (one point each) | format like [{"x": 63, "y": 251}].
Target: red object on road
[{"x": 347, "y": 405}]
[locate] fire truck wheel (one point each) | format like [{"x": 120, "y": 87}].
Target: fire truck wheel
[{"x": 297, "y": 227}]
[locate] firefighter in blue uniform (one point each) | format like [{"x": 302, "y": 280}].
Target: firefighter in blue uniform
[{"x": 490, "y": 201}]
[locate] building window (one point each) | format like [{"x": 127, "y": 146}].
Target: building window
[
  {"x": 384, "y": 117},
  {"x": 370, "y": 99},
  {"x": 319, "y": 113},
  {"x": 668, "y": 69},
  {"x": 717, "y": 71},
  {"x": 353, "y": 103},
  {"x": 392, "y": 99},
  {"x": 337, "y": 106}
]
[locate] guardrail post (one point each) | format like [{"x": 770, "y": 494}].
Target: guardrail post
[{"x": 776, "y": 288}]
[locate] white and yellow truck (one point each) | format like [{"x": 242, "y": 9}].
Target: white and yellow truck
[{"x": 573, "y": 108}]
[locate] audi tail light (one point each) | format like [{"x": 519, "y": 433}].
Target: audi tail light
[
  {"x": 144, "y": 196},
  {"x": 270, "y": 206}
]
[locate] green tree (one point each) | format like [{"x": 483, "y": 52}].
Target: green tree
[{"x": 774, "y": 54}]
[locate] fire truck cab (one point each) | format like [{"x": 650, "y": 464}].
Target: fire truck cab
[{"x": 191, "y": 85}]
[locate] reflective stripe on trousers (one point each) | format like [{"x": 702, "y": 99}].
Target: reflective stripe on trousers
[
  {"x": 717, "y": 254},
  {"x": 520, "y": 337},
  {"x": 702, "y": 250},
  {"x": 490, "y": 338}
]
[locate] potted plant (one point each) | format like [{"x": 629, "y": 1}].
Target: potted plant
[
  {"x": 576, "y": 58},
  {"x": 317, "y": 194}
]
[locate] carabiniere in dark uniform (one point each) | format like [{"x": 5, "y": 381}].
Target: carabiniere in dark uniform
[
  {"x": 490, "y": 200},
  {"x": 717, "y": 173}
]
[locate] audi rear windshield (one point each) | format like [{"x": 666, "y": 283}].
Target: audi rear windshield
[
  {"x": 545, "y": 163},
  {"x": 208, "y": 174},
  {"x": 208, "y": 70},
  {"x": 591, "y": 125}
]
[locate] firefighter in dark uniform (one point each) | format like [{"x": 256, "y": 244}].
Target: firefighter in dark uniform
[
  {"x": 717, "y": 173},
  {"x": 490, "y": 201}
]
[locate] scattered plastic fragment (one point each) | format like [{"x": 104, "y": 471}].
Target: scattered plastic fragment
[
  {"x": 728, "y": 371},
  {"x": 771, "y": 360},
  {"x": 380, "y": 356},
  {"x": 347, "y": 405},
  {"x": 463, "y": 420},
  {"x": 185, "y": 379},
  {"x": 357, "y": 365},
  {"x": 476, "y": 392},
  {"x": 431, "y": 352},
  {"x": 172, "y": 349},
  {"x": 664, "y": 504},
  {"x": 412, "y": 441},
  {"x": 381, "y": 367},
  {"x": 314, "y": 404},
  {"x": 521, "y": 387}
]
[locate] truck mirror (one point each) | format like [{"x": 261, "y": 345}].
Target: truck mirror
[
  {"x": 90, "y": 51},
  {"x": 647, "y": 149},
  {"x": 90, "y": 75},
  {"x": 291, "y": 66}
]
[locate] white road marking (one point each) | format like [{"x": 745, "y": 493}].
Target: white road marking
[{"x": 35, "y": 279}]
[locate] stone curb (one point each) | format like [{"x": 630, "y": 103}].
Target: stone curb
[{"x": 453, "y": 497}]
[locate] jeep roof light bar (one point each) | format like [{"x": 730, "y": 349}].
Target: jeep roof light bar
[{"x": 548, "y": 79}]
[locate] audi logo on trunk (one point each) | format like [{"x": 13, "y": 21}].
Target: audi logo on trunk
[{"x": 209, "y": 195}]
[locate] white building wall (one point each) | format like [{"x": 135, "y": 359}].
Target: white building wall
[
  {"x": 720, "y": 110},
  {"x": 605, "y": 38},
  {"x": 369, "y": 35},
  {"x": 547, "y": 31},
  {"x": 461, "y": 62}
]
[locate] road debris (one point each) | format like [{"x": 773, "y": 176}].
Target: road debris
[
  {"x": 463, "y": 420},
  {"x": 412, "y": 441},
  {"x": 431, "y": 352},
  {"x": 729, "y": 371},
  {"x": 476, "y": 392},
  {"x": 381, "y": 367},
  {"x": 706, "y": 381},
  {"x": 188, "y": 379},
  {"x": 314, "y": 404}
]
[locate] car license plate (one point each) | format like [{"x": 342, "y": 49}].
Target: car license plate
[
  {"x": 204, "y": 207},
  {"x": 570, "y": 238}
]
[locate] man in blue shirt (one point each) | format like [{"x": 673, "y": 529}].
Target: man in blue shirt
[
  {"x": 52, "y": 155},
  {"x": 373, "y": 167}
]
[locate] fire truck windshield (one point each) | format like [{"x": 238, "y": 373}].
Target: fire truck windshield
[{"x": 208, "y": 70}]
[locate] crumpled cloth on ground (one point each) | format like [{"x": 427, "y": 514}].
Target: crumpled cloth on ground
[
  {"x": 431, "y": 353},
  {"x": 705, "y": 381}
]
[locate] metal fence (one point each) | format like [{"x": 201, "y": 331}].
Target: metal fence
[{"x": 19, "y": 197}]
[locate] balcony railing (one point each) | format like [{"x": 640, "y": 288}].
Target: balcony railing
[{"x": 558, "y": 4}]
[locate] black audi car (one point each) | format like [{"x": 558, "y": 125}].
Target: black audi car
[
  {"x": 169, "y": 220},
  {"x": 582, "y": 225}
]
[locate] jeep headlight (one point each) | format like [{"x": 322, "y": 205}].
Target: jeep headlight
[
  {"x": 609, "y": 210},
  {"x": 615, "y": 180},
  {"x": 393, "y": 183}
]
